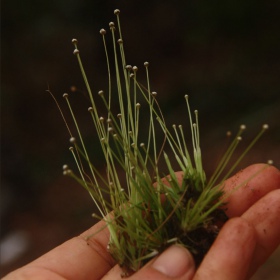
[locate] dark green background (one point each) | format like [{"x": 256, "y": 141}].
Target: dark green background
[{"x": 224, "y": 54}]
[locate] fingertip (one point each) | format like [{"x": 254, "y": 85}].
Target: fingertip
[{"x": 175, "y": 262}]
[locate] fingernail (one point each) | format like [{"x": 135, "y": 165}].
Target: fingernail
[{"x": 176, "y": 261}]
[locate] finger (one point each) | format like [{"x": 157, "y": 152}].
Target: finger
[
  {"x": 244, "y": 193},
  {"x": 264, "y": 216},
  {"x": 77, "y": 258},
  {"x": 231, "y": 253},
  {"x": 174, "y": 263}
]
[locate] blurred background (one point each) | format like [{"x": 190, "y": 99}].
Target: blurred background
[{"x": 224, "y": 54}]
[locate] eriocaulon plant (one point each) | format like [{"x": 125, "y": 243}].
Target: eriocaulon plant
[{"x": 146, "y": 214}]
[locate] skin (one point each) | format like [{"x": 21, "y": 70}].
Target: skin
[{"x": 244, "y": 243}]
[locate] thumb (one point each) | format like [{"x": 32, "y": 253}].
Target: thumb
[{"x": 174, "y": 263}]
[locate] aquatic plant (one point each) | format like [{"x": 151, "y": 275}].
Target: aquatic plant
[{"x": 150, "y": 210}]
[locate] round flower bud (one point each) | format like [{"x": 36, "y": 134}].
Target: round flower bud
[
  {"x": 76, "y": 51},
  {"x": 102, "y": 31}
]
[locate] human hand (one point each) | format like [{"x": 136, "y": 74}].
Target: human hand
[{"x": 244, "y": 243}]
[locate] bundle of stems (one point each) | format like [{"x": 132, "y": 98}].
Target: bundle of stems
[{"x": 145, "y": 214}]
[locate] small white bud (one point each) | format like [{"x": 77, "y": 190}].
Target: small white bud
[
  {"x": 146, "y": 64},
  {"x": 65, "y": 95},
  {"x": 65, "y": 167},
  {"x": 102, "y": 31},
  {"x": 265, "y": 126},
  {"x": 76, "y": 51},
  {"x": 242, "y": 126},
  {"x": 74, "y": 41},
  {"x": 72, "y": 140},
  {"x": 135, "y": 68},
  {"x": 117, "y": 12}
]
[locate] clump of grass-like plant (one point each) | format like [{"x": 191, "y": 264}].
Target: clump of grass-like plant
[{"x": 147, "y": 214}]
